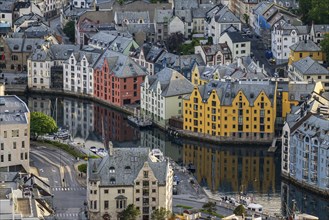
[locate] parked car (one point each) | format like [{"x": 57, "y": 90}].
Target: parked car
[{"x": 93, "y": 149}]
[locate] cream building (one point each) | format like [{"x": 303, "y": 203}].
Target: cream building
[
  {"x": 309, "y": 69},
  {"x": 161, "y": 95},
  {"x": 239, "y": 45},
  {"x": 2, "y": 89},
  {"x": 14, "y": 134},
  {"x": 128, "y": 176}
]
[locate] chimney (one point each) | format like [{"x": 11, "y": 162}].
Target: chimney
[{"x": 110, "y": 148}]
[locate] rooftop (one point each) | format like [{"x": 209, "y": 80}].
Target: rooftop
[
  {"x": 12, "y": 110},
  {"x": 305, "y": 45},
  {"x": 308, "y": 66}
]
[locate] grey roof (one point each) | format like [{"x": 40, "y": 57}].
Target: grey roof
[
  {"x": 305, "y": 45},
  {"x": 73, "y": 12},
  {"x": 92, "y": 55},
  {"x": 184, "y": 15},
  {"x": 12, "y": 110},
  {"x": 299, "y": 91},
  {"x": 225, "y": 15},
  {"x": 162, "y": 16},
  {"x": 308, "y": 66},
  {"x": 172, "y": 83},
  {"x": 24, "y": 44},
  {"x": 126, "y": 163},
  {"x": 102, "y": 37},
  {"x": 321, "y": 28},
  {"x": 237, "y": 37},
  {"x": 180, "y": 62},
  {"x": 62, "y": 51},
  {"x": 29, "y": 17},
  {"x": 132, "y": 16},
  {"x": 151, "y": 52},
  {"x": 37, "y": 30},
  {"x": 120, "y": 43},
  {"x": 185, "y": 4},
  {"x": 146, "y": 28},
  {"x": 227, "y": 90},
  {"x": 200, "y": 12},
  {"x": 6, "y": 6},
  {"x": 262, "y": 7},
  {"x": 214, "y": 48},
  {"x": 121, "y": 65}
]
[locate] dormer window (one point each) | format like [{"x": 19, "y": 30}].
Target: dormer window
[
  {"x": 112, "y": 170},
  {"x": 112, "y": 180},
  {"x": 28, "y": 47},
  {"x": 127, "y": 169},
  {"x": 16, "y": 47}
]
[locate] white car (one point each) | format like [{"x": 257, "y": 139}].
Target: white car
[{"x": 93, "y": 149}]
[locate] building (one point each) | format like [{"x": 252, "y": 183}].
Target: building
[
  {"x": 199, "y": 18},
  {"x": 117, "y": 79},
  {"x": 232, "y": 110},
  {"x": 305, "y": 144},
  {"x": 219, "y": 19},
  {"x": 285, "y": 35},
  {"x": 123, "y": 18},
  {"x": 23, "y": 21},
  {"x": 147, "y": 55},
  {"x": 243, "y": 8},
  {"x": 161, "y": 21},
  {"x": 309, "y": 69},
  {"x": 239, "y": 44},
  {"x": 305, "y": 48},
  {"x": 128, "y": 176},
  {"x": 78, "y": 71},
  {"x": 161, "y": 95},
  {"x": 215, "y": 54},
  {"x": 6, "y": 13},
  {"x": 176, "y": 25},
  {"x": 318, "y": 31},
  {"x": 42, "y": 60},
  {"x": 14, "y": 134},
  {"x": 16, "y": 51}
]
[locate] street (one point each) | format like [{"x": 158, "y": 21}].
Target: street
[{"x": 57, "y": 165}]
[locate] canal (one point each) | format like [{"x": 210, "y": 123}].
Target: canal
[{"x": 226, "y": 170}]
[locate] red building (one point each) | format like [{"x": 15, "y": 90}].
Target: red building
[{"x": 117, "y": 79}]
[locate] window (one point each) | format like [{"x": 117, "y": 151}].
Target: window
[
  {"x": 106, "y": 191},
  {"x": 9, "y": 157},
  {"x": 14, "y": 145},
  {"x": 15, "y": 133},
  {"x": 146, "y": 174},
  {"x": 2, "y": 146},
  {"x": 153, "y": 190},
  {"x": 106, "y": 204}
]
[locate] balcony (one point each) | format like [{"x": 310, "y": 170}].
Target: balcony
[{"x": 285, "y": 150}]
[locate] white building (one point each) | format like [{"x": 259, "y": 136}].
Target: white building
[
  {"x": 176, "y": 25},
  {"x": 318, "y": 31},
  {"x": 81, "y": 3},
  {"x": 128, "y": 176},
  {"x": 79, "y": 73},
  {"x": 14, "y": 134},
  {"x": 161, "y": 95},
  {"x": 40, "y": 63},
  {"x": 284, "y": 35},
  {"x": 239, "y": 45},
  {"x": 219, "y": 19}
]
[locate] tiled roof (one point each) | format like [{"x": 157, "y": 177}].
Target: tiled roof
[
  {"x": 146, "y": 28},
  {"x": 123, "y": 167},
  {"x": 237, "y": 37},
  {"x": 184, "y": 15},
  {"x": 226, "y": 16},
  {"x": 305, "y": 45},
  {"x": 12, "y": 110},
  {"x": 24, "y": 44},
  {"x": 308, "y": 66},
  {"x": 172, "y": 83},
  {"x": 200, "y": 12},
  {"x": 162, "y": 16},
  {"x": 185, "y": 4},
  {"x": 132, "y": 16}
]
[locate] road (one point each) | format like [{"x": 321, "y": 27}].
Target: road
[{"x": 57, "y": 165}]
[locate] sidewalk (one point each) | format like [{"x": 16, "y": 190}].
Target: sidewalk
[{"x": 80, "y": 177}]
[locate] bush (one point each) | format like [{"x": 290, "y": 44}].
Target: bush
[
  {"x": 70, "y": 150},
  {"x": 82, "y": 168}
]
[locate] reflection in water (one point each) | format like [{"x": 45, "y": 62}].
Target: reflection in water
[
  {"x": 305, "y": 201},
  {"x": 225, "y": 169}
]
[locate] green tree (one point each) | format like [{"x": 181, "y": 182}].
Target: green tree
[
  {"x": 210, "y": 207},
  {"x": 130, "y": 213},
  {"x": 160, "y": 214},
  {"x": 41, "y": 124},
  {"x": 174, "y": 41},
  {"x": 246, "y": 18},
  {"x": 239, "y": 210},
  {"x": 69, "y": 30},
  {"x": 314, "y": 11},
  {"x": 325, "y": 46},
  {"x": 82, "y": 168}
]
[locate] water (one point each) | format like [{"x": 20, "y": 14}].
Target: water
[{"x": 223, "y": 169}]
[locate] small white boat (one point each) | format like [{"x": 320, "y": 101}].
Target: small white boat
[{"x": 255, "y": 207}]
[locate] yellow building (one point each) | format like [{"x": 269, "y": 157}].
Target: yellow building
[
  {"x": 232, "y": 110},
  {"x": 305, "y": 48}
]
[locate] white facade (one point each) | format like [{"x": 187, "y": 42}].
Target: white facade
[
  {"x": 78, "y": 75},
  {"x": 176, "y": 25},
  {"x": 6, "y": 17},
  {"x": 14, "y": 134},
  {"x": 80, "y": 4},
  {"x": 39, "y": 73},
  {"x": 238, "y": 48},
  {"x": 282, "y": 37}
]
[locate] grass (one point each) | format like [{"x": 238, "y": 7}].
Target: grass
[
  {"x": 212, "y": 213},
  {"x": 184, "y": 206},
  {"x": 70, "y": 150}
]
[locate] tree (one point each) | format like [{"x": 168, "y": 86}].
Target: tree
[
  {"x": 210, "y": 207},
  {"x": 69, "y": 30},
  {"x": 325, "y": 46},
  {"x": 160, "y": 214},
  {"x": 41, "y": 124},
  {"x": 239, "y": 210},
  {"x": 314, "y": 11},
  {"x": 130, "y": 213},
  {"x": 246, "y": 18},
  {"x": 174, "y": 41}
]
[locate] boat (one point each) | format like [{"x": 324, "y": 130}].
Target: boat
[
  {"x": 137, "y": 120},
  {"x": 255, "y": 207}
]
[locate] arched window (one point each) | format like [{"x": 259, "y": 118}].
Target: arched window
[
  {"x": 41, "y": 81},
  {"x": 307, "y": 139},
  {"x": 16, "y": 47},
  {"x": 127, "y": 169}
]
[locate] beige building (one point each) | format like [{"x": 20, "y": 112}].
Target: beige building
[
  {"x": 14, "y": 134},
  {"x": 128, "y": 176},
  {"x": 2, "y": 89},
  {"x": 309, "y": 69}
]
